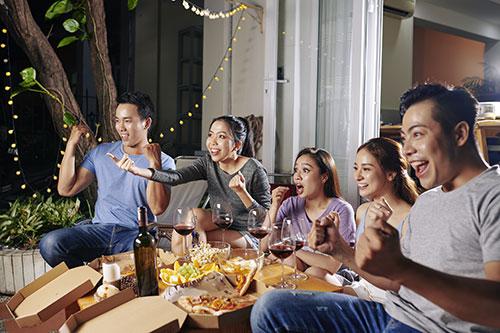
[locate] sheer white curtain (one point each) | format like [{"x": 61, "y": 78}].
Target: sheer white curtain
[
  {"x": 348, "y": 77},
  {"x": 334, "y": 84}
]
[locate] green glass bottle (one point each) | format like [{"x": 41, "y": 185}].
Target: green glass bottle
[{"x": 145, "y": 258}]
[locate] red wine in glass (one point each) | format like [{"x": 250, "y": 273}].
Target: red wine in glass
[
  {"x": 299, "y": 244},
  {"x": 184, "y": 229},
  {"x": 259, "y": 232},
  {"x": 281, "y": 251}
]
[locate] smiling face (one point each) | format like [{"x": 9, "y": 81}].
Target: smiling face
[
  {"x": 220, "y": 142},
  {"x": 428, "y": 149},
  {"x": 132, "y": 129},
  {"x": 373, "y": 182},
  {"x": 308, "y": 178}
]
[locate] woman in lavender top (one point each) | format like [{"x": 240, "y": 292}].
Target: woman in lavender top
[{"x": 318, "y": 194}]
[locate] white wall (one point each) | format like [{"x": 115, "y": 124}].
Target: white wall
[
  {"x": 241, "y": 93},
  {"x": 397, "y": 64}
]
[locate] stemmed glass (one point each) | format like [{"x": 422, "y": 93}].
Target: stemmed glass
[
  {"x": 222, "y": 217},
  {"x": 184, "y": 224},
  {"x": 300, "y": 240},
  {"x": 281, "y": 245},
  {"x": 256, "y": 228}
]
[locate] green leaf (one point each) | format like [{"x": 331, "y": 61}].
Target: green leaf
[
  {"x": 58, "y": 8},
  {"x": 80, "y": 16},
  {"x": 132, "y": 4},
  {"x": 28, "y": 74},
  {"x": 69, "y": 119},
  {"x": 71, "y": 25},
  {"x": 66, "y": 41}
]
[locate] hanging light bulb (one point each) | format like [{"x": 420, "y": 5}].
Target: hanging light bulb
[
  {"x": 181, "y": 122},
  {"x": 4, "y": 30},
  {"x": 13, "y": 146},
  {"x": 196, "y": 106},
  {"x": 18, "y": 173},
  {"x": 54, "y": 177},
  {"x": 10, "y": 131},
  {"x": 7, "y": 73},
  {"x": 161, "y": 135},
  {"x": 172, "y": 129},
  {"x": 23, "y": 186},
  {"x": 204, "y": 96},
  {"x": 15, "y": 116},
  {"x": 190, "y": 114},
  {"x": 16, "y": 158},
  {"x": 34, "y": 195},
  {"x": 10, "y": 102},
  {"x": 49, "y": 190}
]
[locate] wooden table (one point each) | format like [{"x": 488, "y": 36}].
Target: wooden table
[{"x": 270, "y": 275}]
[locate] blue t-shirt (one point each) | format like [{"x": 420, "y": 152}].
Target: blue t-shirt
[{"x": 119, "y": 192}]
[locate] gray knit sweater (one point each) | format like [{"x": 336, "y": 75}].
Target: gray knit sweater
[{"x": 256, "y": 182}]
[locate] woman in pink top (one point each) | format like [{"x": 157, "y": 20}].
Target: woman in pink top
[{"x": 318, "y": 194}]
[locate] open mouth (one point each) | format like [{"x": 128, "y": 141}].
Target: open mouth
[
  {"x": 214, "y": 152},
  {"x": 362, "y": 186},
  {"x": 420, "y": 168},
  {"x": 124, "y": 136},
  {"x": 299, "y": 189}
]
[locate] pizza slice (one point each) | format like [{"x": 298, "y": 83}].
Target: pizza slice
[{"x": 214, "y": 305}]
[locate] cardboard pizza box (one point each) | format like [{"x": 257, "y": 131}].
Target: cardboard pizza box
[
  {"x": 51, "y": 293},
  {"x": 124, "y": 312},
  {"x": 228, "y": 320}
]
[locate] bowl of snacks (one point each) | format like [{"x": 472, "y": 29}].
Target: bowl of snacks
[
  {"x": 185, "y": 274},
  {"x": 210, "y": 252}
]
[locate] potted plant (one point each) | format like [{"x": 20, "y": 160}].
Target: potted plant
[{"x": 21, "y": 228}]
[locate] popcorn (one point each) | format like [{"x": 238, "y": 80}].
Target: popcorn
[{"x": 204, "y": 253}]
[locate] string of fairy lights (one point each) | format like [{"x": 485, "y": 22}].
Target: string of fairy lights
[
  {"x": 14, "y": 146},
  {"x": 215, "y": 78},
  {"x": 212, "y": 15}
]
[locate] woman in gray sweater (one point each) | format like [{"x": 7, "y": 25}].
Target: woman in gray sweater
[{"x": 235, "y": 179}]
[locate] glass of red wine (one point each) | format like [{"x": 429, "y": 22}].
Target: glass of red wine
[
  {"x": 281, "y": 245},
  {"x": 184, "y": 224},
  {"x": 300, "y": 238},
  {"x": 256, "y": 228},
  {"x": 222, "y": 217}
]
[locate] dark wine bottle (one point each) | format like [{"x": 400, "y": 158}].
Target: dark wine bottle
[{"x": 145, "y": 258}]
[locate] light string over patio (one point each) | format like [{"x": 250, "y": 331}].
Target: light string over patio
[
  {"x": 212, "y": 14},
  {"x": 12, "y": 132}
]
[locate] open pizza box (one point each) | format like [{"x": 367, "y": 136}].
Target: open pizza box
[
  {"x": 226, "y": 320},
  {"x": 124, "y": 312},
  {"x": 51, "y": 293}
]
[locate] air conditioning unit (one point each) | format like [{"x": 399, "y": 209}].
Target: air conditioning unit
[{"x": 399, "y": 8}]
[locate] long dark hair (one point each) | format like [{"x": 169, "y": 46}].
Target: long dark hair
[
  {"x": 326, "y": 164},
  {"x": 389, "y": 155},
  {"x": 241, "y": 131}
]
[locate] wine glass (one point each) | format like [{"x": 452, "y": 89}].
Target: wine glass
[
  {"x": 184, "y": 224},
  {"x": 256, "y": 228},
  {"x": 300, "y": 240},
  {"x": 222, "y": 217},
  {"x": 281, "y": 245}
]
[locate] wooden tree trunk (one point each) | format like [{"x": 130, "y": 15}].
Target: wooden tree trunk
[
  {"x": 101, "y": 65},
  {"x": 16, "y": 15}
]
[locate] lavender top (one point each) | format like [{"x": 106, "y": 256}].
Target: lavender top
[{"x": 294, "y": 208}]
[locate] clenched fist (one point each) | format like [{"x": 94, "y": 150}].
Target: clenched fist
[{"x": 237, "y": 183}]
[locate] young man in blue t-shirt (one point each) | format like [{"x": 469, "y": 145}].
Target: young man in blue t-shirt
[{"x": 114, "y": 226}]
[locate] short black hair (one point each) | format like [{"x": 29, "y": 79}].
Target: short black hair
[
  {"x": 451, "y": 105},
  {"x": 145, "y": 106}
]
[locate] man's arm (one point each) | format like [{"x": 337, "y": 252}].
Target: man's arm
[
  {"x": 474, "y": 300},
  {"x": 157, "y": 195},
  {"x": 73, "y": 180}
]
